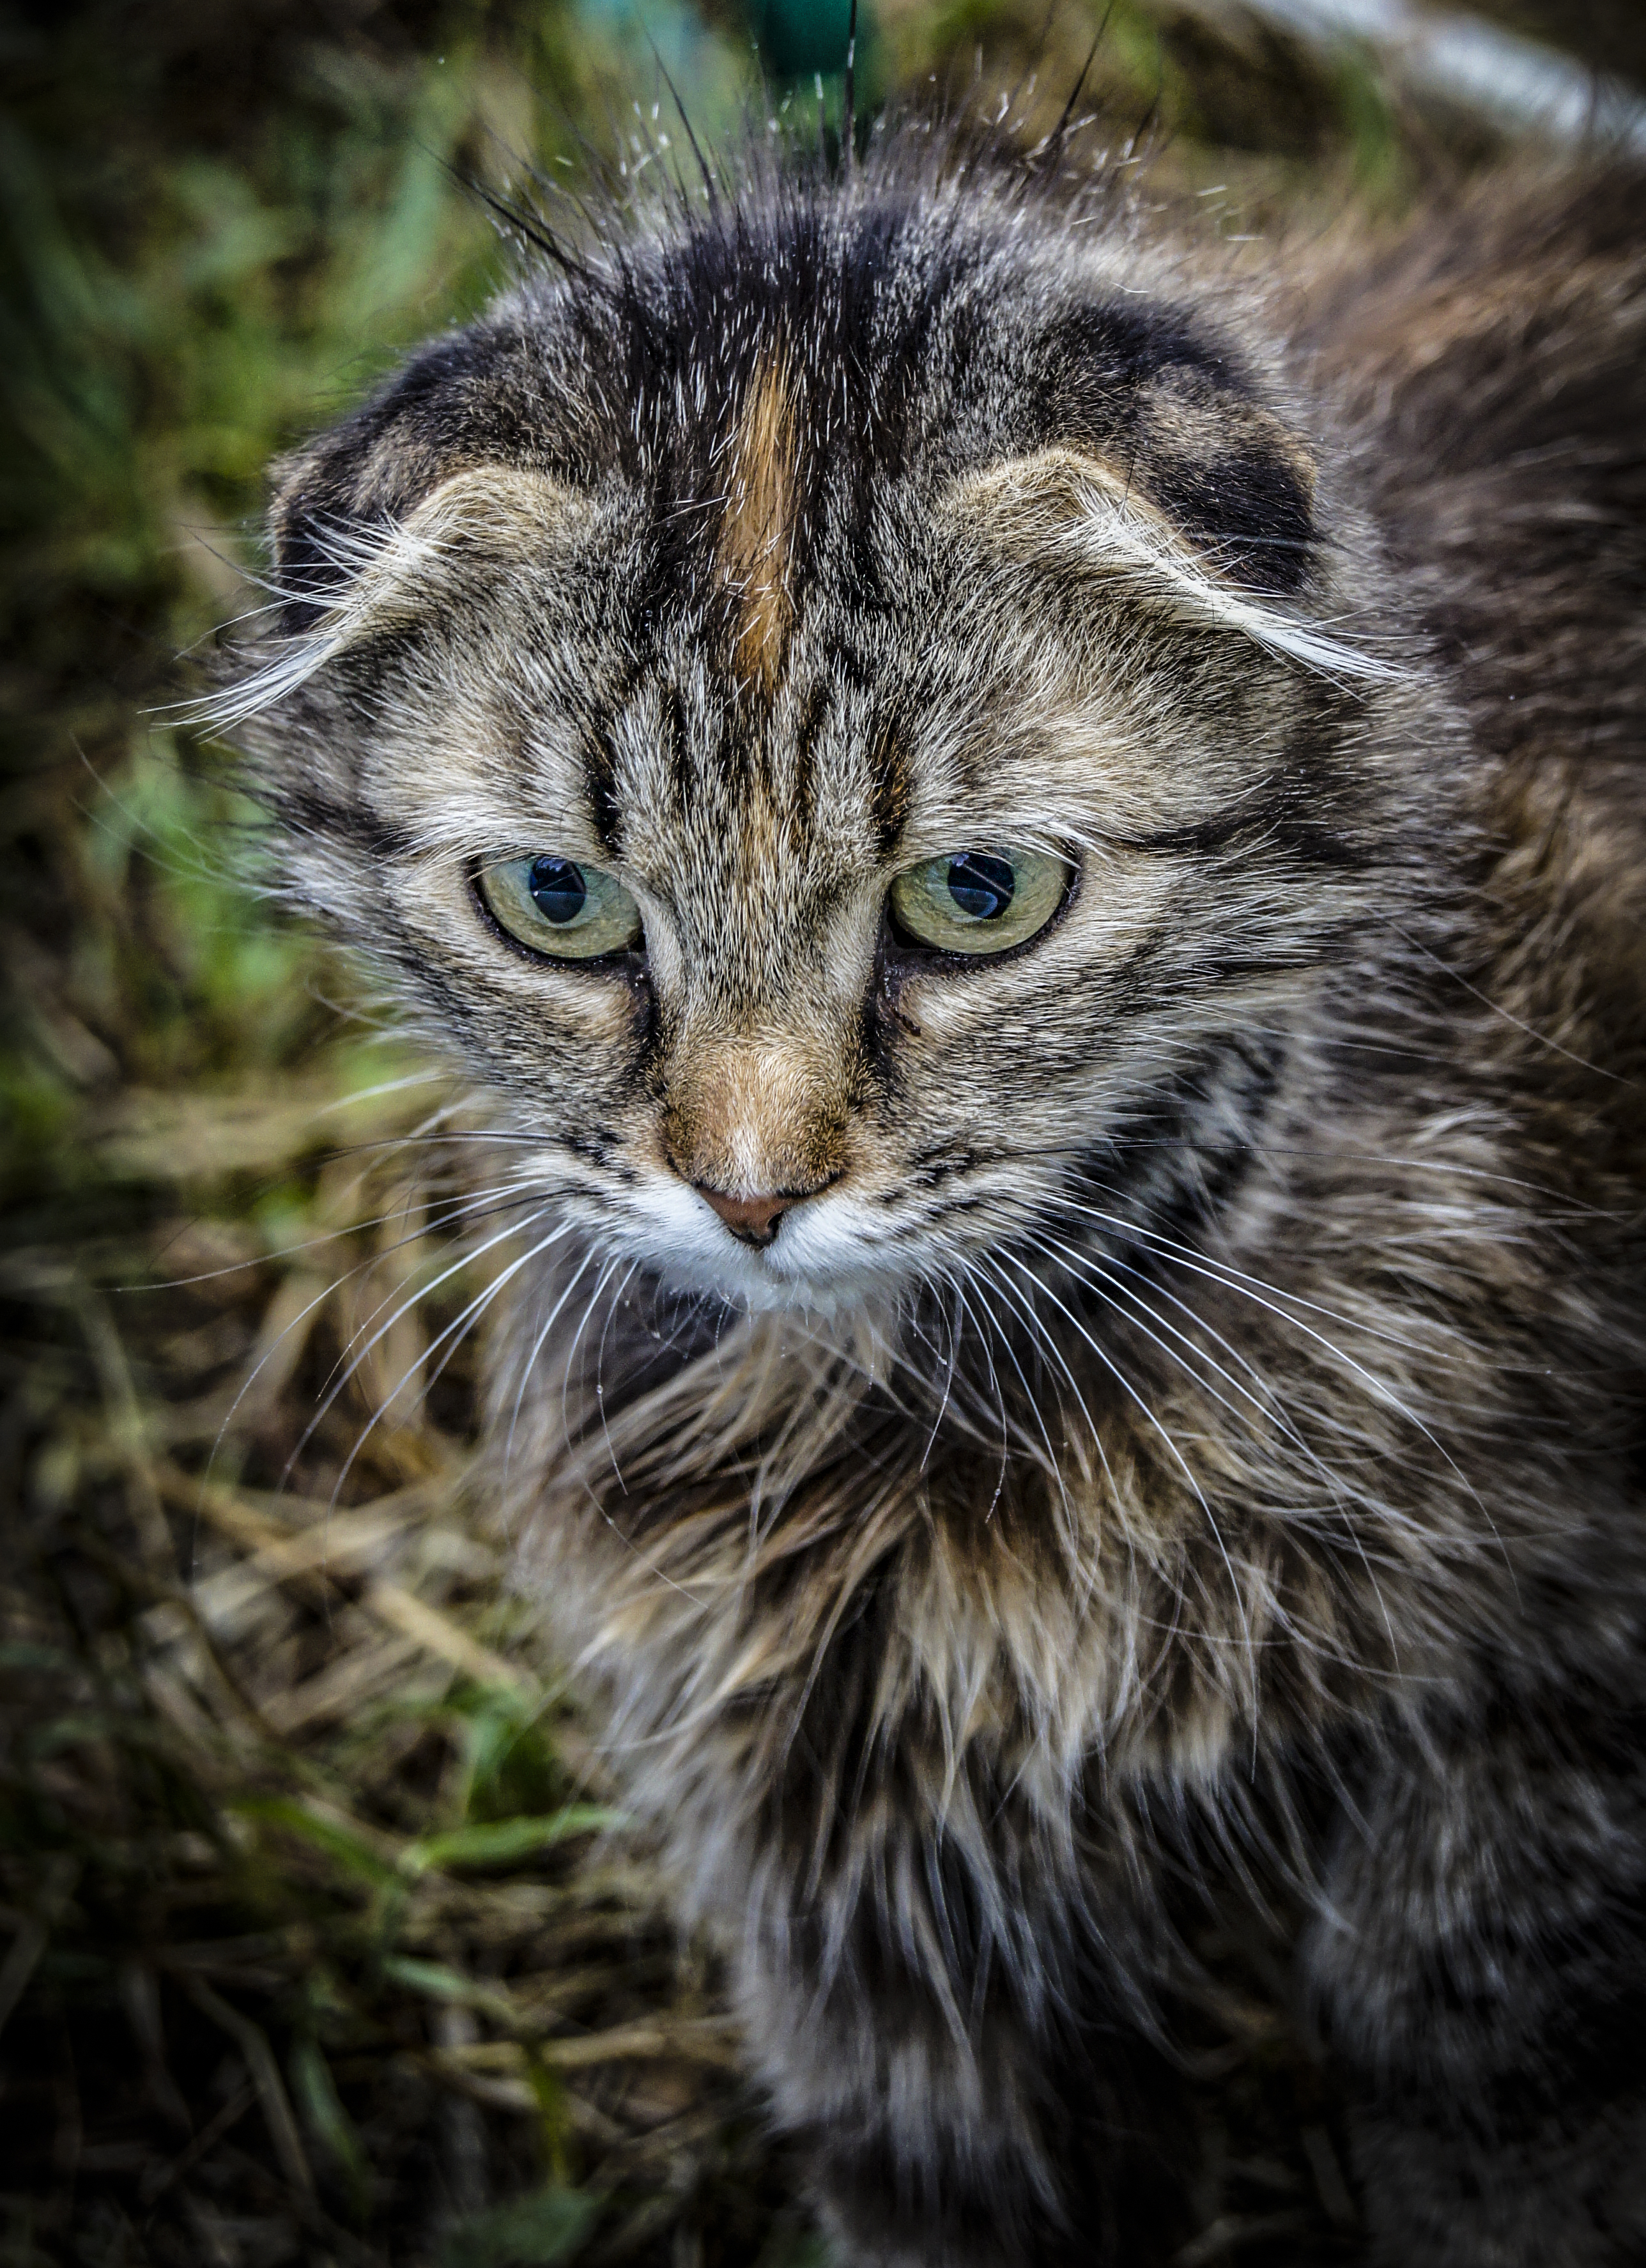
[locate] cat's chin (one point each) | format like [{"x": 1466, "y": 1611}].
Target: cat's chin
[
  {"x": 822, "y": 1300},
  {"x": 746, "y": 1280}
]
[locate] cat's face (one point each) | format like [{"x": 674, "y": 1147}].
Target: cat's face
[{"x": 830, "y": 720}]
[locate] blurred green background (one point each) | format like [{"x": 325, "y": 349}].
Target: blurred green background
[{"x": 321, "y": 1939}]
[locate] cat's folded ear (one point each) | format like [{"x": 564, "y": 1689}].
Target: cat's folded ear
[
  {"x": 357, "y": 558},
  {"x": 1202, "y": 508},
  {"x": 1219, "y": 466},
  {"x": 347, "y": 578},
  {"x": 384, "y": 573}
]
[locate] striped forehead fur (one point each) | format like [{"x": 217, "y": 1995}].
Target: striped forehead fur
[{"x": 757, "y": 530}]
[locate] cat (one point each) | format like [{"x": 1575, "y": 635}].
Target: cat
[{"x": 1030, "y": 825}]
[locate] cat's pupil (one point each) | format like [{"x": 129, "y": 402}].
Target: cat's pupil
[
  {"x": 557, "y": 888},
  {"x": 980, "y": 886}
]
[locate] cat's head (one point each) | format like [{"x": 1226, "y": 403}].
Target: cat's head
[{"x": 841, "y": 711}]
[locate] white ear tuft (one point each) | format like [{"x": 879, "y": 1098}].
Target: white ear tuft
[
  {"x": 1066, "y": 507},
  {"x": 390, "y": 572}
]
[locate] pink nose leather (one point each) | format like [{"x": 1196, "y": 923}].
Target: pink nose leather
[{"x": 753, "y": 1219}]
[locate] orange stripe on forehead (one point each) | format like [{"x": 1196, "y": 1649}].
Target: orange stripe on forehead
[{"x": 757, "y": 530}]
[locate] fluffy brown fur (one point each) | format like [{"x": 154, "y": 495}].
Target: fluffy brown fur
[{"x": 1008, "y": 1437}]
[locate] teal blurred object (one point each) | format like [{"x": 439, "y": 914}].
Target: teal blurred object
[
  {"x": 794, "y": 41},
  {"x": 797, "y": 39}
]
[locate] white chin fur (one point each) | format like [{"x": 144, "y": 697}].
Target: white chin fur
[{"x": 819, "y": 1262}]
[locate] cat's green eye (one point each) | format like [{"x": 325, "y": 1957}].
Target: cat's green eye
[
  {"x": 559, "y": 908},
  {"x": 979, "y": 902}
]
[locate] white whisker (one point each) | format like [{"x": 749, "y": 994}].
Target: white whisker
[
  {"x": 1158, "y": 1425},
  {"x": 476, "y": 1307}
]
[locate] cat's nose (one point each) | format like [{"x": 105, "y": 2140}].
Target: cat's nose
[{"x": 752, "y": 1220}]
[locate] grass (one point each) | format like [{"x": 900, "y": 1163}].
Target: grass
[{"x": 325, "y": 1937}]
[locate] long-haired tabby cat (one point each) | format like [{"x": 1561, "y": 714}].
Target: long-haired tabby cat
[{"x": 1032, "y": 827}]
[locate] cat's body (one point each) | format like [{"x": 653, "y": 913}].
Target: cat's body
[{"x": 1163, "y": 1403}]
